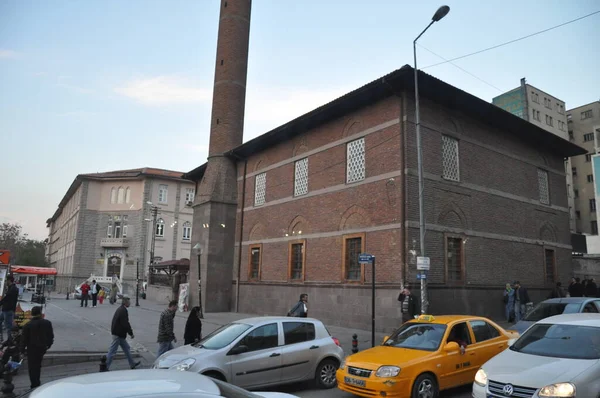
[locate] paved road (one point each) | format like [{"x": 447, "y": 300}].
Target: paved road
[{"x": 89, "y": 329}]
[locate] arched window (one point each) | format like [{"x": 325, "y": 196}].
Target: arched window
[
  {"x": 127, "y": 195},
  {"x": 187, "y": 230},
  {"x": 113, "y": 195},
  {"x": 160, "y": 227},
  {"x": 121, "y": 195}
]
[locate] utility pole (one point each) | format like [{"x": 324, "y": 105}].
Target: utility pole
[{"x": 154, "y": 216}]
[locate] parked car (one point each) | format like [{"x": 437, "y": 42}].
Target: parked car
[
  {"x": 260, "y": 352},
  {"x": 556, "y": 357},
  {"x": 423, "y": 357},
  {"x": 557, "y": 306},
  {"x": 147, "y": 384}
]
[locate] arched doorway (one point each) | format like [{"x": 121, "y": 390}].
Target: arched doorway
[{"x": 114, "y": 266}]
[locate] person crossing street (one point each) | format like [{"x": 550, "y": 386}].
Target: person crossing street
[{"x": 120, "y": 328}]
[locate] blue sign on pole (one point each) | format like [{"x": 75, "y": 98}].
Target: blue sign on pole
[
  {"x": 421, "y": 275},
  {"x": 365, "y": 258}
]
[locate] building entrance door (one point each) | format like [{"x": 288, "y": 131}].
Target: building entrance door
[{"x": 114, "y": 267}]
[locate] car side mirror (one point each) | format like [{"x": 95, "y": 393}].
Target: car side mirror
[
  {"x": 385, "y": 338},
  {"x": 240, "y": 349},
  {"x": 451, "y": 347}
]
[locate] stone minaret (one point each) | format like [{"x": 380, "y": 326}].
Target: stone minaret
[{"x": 215, "y": 207}]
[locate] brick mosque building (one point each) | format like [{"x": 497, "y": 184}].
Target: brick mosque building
[{"x": 342, "y": 179}]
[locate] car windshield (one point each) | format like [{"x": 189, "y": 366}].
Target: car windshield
[
  {"x": 223, "y": 336},
  {"x": 417, "y": 336},
  {"x": 546, "y": 310},
  {"x": 560, "y": 341},
  {"x": 230, "y": 391}
]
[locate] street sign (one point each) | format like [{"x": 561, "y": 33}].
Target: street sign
[
  {"x": 421, "y": 275},
  {"x": 423, "y": 263},
  {"x": 4, "y": 257},
  {"x": 365, "y": 258}
]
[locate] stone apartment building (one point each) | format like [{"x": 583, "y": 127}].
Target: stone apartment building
[
  {"x": 104, "y": 224},
  {"x": 584, "y": 130},
  {"x": 341, "y": 180}
]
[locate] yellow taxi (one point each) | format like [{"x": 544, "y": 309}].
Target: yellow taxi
[{"x": 424, "y": 356}]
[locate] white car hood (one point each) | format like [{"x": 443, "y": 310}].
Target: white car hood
[
  {"x": 532, "y": 370},
  {"x": 274, "y": 394},
  {"x": 179, "y": 354}
]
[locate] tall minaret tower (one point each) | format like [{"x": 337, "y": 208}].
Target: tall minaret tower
[{"x": 215, "y": 207}]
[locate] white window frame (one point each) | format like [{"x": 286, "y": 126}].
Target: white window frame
[
  {"x": 356, "y": 169},
  {"x": 301, "y": 177},
  {"x": 159, "y": 229},
  {"x": 260, "y": 189},
  {"x": 163, "y": 193},
  {"x": 187, "y": 231},
  {"x": 125, "y": 230},
  {"x": 109, "y": 229},
  {"x": 190, "y": 193}
]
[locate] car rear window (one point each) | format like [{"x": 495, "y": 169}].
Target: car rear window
[
  {"x": 560, "y": 341},
  {"x": 546, "y": 310},
  {"x": 298, "y": 332}
]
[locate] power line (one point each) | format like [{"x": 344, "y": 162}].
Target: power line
[{"x": 513, "y": 41}]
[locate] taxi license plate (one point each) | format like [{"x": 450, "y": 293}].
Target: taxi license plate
[{"x": 354, "y": 382}]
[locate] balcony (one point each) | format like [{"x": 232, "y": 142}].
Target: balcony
[{"x": 114, "y": 242}]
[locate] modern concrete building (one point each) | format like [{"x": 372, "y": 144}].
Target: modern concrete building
[
  {"x": 104, "y": 225},
  {"x": 545, "y": 111},
  {"x": 584, "y": 130}
]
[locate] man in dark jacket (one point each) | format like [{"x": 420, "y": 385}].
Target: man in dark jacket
[
  {"x": 9, "y": 306},
  {"x": 591, "y": 289},
  {"x": 409, "y": 305},
  {"x": 166, "y": 334},
  {"x": 300, "y": 310},
  {"x": 120, "y": 328},
  {"x": 576, "y": 288},
  {"x": 557, "y": 292},
  {"x": 37, "y": 338}
]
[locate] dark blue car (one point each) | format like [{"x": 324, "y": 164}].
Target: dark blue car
[{"x": 557, "y": 306}]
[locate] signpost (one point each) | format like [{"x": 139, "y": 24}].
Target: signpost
[
  {"x": 423, "y": 264},
  {"x": 366, "y": 258}
]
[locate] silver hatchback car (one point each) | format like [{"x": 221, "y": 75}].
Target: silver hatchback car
[{"x": 260, "y": 352}]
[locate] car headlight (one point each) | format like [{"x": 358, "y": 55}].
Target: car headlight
[
  {"x": 184, "y": 365},
  {"x": 481, "y": 378},
  {"x": 562, "y": 390},
  {"x": 387, "y": 371}
]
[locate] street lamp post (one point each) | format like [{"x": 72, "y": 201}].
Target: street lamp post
[
  {"x": 137, "y": 282},
  {"x": 198, "y": 250},
  {"x": 439, "y": 14}
]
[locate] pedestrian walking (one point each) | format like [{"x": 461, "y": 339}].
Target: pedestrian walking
[
  {"x": 300, "y": 310},
  {"x": 37, "y": 338},
  {"x": 120, "y": 328},
  {"x": 576, "y": 288},
  {"x": 409, "y": 307},
  {"x": 193, "y": 327},
  {"x": 9, "y": 306},
  {"x": 557, "y": 292},
  {"x": 166, "y": 334},
  {"x": 113, "y": 291},
  {"x": 85, "y": 291},
  {"x": 591, "y": 289},
  {"x": 521, "y": 300},
  {"x": 94, "y": 290},
  {"x": 509, "y": 303},
  {"x": 101, "y": 296}
]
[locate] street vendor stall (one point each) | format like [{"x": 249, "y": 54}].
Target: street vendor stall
[{"x": 40, "y": 274}]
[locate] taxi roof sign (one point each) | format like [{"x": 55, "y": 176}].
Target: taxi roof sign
[{"x": 426, "y": 318}]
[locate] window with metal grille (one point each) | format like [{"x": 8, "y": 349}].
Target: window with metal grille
[
  {"x": 588, "y": 137},
  {"x": 353, "y": 250},
  {"x": 450, "y": 158},
  {"x": 543, "y": 187},
  {"x": 301, "y": 177},
  {"x": 296, "y": 260},
  {"x": 588, "y": 157},
  {"x": 550, "y": 261},
  {"x": 355, "y": 161},
  {"x": 592, "y": 204},
  {"x": 590, "y": 178},
  {"x": 254, "y": 262},
  {"x": 454, "y": 258},
  {"x": 260, "y": 189}
]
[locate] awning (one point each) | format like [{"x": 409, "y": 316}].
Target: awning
[{"x": 22, "y": 269}]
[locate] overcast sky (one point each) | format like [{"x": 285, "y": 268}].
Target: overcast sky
[{"x": 89, "y": 86}]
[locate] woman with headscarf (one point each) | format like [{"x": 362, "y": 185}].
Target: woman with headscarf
[
  {"x": 193, "y": 327},
  {"x": 509, "y": 302}
]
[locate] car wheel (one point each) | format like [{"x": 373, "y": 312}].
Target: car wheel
[
  {"x": 425, "y": 387},
  {"x": 325, "y": 375}
]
